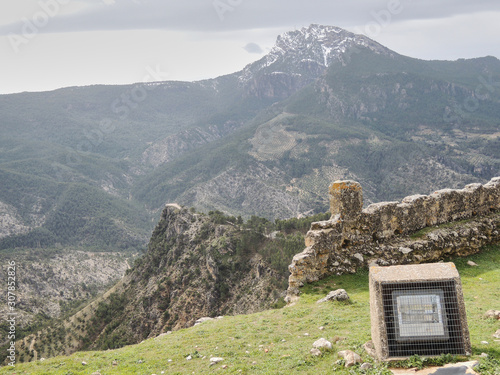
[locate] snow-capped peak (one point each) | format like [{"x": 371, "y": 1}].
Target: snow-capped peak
[{"x": 316, "y": 44}]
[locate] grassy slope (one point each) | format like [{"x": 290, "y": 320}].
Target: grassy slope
[{"x": 243, "y": 340}]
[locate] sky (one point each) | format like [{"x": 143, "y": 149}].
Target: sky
[{"x": 49, "y": 44}]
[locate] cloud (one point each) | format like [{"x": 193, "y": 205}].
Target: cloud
[
  {"x": 225, "y": 15},
  {"x": 253, "y": 48}
]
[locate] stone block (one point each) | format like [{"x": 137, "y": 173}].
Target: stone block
[{"x": 417, "y": 309}]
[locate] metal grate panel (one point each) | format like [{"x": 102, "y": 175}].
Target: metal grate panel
[{"x": 422, "y": 318}]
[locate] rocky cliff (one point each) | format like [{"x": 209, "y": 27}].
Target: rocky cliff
[
  {"x": 196, "y": 266},
  {"x": 418, "y": 229}
]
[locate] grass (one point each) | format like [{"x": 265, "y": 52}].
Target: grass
[
  {"x": 425, "y": 231},
  {"x": 278, "y": 341}
]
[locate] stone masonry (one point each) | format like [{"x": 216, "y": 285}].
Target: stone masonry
[{"x": 385, "y": 233}]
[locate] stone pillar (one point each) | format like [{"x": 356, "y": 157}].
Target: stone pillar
[{"x": 346, "y": 199}]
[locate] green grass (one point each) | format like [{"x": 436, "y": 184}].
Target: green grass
[
  {"x": 425, "y": 231},
  {"x": 275, "y": 341}
]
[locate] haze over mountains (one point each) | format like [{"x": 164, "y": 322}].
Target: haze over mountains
[
  {"x": 91, "y": 169},
  {"x": 93, "y": 166}
]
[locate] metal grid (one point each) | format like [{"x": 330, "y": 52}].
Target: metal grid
[{"x": 422, "y": 318}]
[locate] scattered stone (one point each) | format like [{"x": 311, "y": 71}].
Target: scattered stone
[
  {"x": 366, "y": 366},
  {"x": 188, "y": 358},
  {"x": 42, "y": 359},
  {"x": 203, "y": 320},
  {"x": 266, "y": 350},
  {"x": 484, "y": 355},
  {"x": 471, "y": 263},
  {"x": 283, "y": 340},
  {"x": 335, "y": 295},
  {"x": 315, "y": 352},
  {"x": 405, "y": 250},
  {"x": 484, "y": 342},
  {"x": 359, "y": 257},
  {"x": 306, "y": 334},
  {"x": 350, "y": 357},
  {"x": 114, "y": 363},
  {"x": 169, "y": 360},
  {"x": 96, "y": 373},
  {"x": 215, "y": 360},
  {"x": 322, "y": 344},
  {"x": 370, "y": 349},
  {"x": 224, "y": 367},
  {"x": 497, "y": 334},
  {"x": 140, "y": 361},
  {"x": 462, "y": 368},
  {"x": 493, "y": 314},
  {"x": 84, "y": 363},
  {"x": 254, "y": 363}
]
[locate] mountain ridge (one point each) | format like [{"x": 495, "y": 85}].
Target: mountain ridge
[{"x": 351, "y": 100}]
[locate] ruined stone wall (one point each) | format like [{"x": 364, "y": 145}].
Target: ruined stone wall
[{"x": 385, "y": 233}]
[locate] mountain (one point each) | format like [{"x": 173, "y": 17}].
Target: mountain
[{"x": 91, "y": 168}]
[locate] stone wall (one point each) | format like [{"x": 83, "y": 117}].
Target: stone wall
[{"x": 387, "y": 233}]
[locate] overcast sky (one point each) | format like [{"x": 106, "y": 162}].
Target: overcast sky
[{"x": 47, "y": 44}]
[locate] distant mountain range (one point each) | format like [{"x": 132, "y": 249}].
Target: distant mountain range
[{"x": 94, "y": 166}]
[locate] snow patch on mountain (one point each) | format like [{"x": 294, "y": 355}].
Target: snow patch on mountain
[{"x": 314, "y": 44}]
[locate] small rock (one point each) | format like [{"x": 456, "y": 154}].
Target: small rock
[
  {"x": 114, "y": 363},
  {"x": 471, "y": 263},
  {"x": 140, "y": 361},
  {"x": 405, "y": 250},
  {"x": 359, "y": 257},
  {"x": 96, "y": 373},
  {"x": 42, "y": 359},
  {"x": 188, "y": 358},
  {"x": 254, "y": 363},
  {"x": 321, "y": 328},
  {"x": 493, "y": 314},
  {"x": 315, "y": 352},
  {"x": 215, "y": 360},
  {"x": 484, "y": 342},
  {"x": 169, "y": 360},
  {"x": 84, "y": 363},
  {"x": 283, "y": 340},
  {"x": 266, "y": 350},
  {"x": 203, "y": 320},
  {"x": 306, "y": 334},
  {"x": 370, "y": 349},
  {"x": 366, "y": 366},
  {"x": 350, "y": 357},
  {"x": 484, "y": 355},
  {"x": 322, "y": 344},
  {"x": 224, "y": 367},
  {"x": 335, "y": 295},
  {"x": 497, "y": 334}
]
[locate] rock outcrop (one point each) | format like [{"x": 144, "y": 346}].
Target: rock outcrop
[{"x": 387, "y": 233}]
